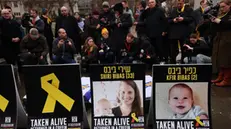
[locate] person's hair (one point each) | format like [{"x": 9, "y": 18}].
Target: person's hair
[
  {"x": 195, "y": 36},
  {"x": 7, "y": 7},
  {"x": 34, "y": 10},
  {"x": 44, "y": 11},
  {"x": 136, "y": 105},
  {"x": 125, "y": 1},
  {"x": 228, "y": 2},
  {"x": 102, "y": 100},
  {"x": 180, "y": 85},
  {"x": 86, "y": 45},
  {"x": 130, "y": 35}
]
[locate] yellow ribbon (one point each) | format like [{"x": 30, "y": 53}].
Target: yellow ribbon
[
  {"x": 182, "y": 10},
  {"x": 54, "y": 94},
  {"x": 48, "y": 19},
  {"x": 202, "y": 9},
  {"x": 179, "y": 45},
  {"x": 134, "y": 117},
  {"x": 222, "y": 15},
  {"x": 3, "y": 103},
  {"x": 199, "y": 121}
]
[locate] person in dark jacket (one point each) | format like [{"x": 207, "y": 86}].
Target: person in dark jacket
[
  {"x": 106, "y": 17},
  {"x": 90, "y": 53},
  {"x": 106, "y": 54},
  {"x": 146, "y": 53},
  {"x": 47, "y": 29},
  {"x": 34, "y": 48},
  {"x": 10, "y": 36},
  {"x": 69, "y": 23},
  {"x": 179, "y": 27},
  {"x": 63, "y": 49},
  {"x": 221, "y": 57},
  {"x": 155, "y": 23},
  {"x": 195, "y": 49},
  {"x": 129, "y": 50},
  {"x": 121, "y": 26},
  {"x": 93, "y": 26},
  {"x": 36, "y": 21},
  {"x": 140, "y": 28}
]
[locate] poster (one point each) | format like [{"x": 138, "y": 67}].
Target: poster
[
  {"x": 118, "y": 96},
  {"x": 182, "y": 96},
  {"x": 54, "y": 96},
  {"x": 8, "y": 105}
]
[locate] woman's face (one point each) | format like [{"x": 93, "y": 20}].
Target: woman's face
[
  {"x": 127, "y": 94},
  {"x": 224, "y": 8},
  {"x": 90, "y": 42}
]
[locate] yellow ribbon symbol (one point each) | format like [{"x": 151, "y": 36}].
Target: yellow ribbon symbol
[
  {"x": 134, "y": 117},
  {"x": 199, "y": 121},
  {"x": 54, "y": 94},
  {"x": 3, "y": 103}
]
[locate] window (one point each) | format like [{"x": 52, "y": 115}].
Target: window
[{"x": 16, "y": 4}]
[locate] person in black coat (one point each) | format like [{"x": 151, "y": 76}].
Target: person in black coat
[
  {"x": 11, "y": 36},
  {"x": 129, "y": 50},
  {"x": 179, "y": 21},
  {"x": 47, "y": 30},
  {"x": 69, "y": 23},
  {"x": 194, "y": 48},
  {"x": 146, "y": 53},
  {"x": 106, "y": 17},
  {"x": 155, "y": 23},
  {"x": 106, "y": 54},
  {"x": 121, "y": 26}
]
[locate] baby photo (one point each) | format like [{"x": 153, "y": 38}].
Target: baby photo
[
  {"x": 103, "y": 108},
  {"x": 183, "y": 101}
]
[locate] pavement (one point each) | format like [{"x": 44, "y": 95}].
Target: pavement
[{"x": 220, "y": 105}]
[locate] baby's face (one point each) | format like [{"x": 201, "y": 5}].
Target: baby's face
[
  {"x": 180, "y": 100},
  {"x": 105, "y": 108}
]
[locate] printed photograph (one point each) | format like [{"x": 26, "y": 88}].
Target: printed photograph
[
  {"x": 118, "y": 98},
  {"x": 181, "y": 100}
]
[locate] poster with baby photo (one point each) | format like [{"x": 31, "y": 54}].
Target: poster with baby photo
[
  {"x": 182, "y": 96},
  {"x": 118, "y": 96}
]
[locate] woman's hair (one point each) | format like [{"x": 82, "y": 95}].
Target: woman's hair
[
  {"x": 228, "y": 2},
  {"x": 180, "y": 85},
  {"x": 86, "y": 45},
  {"x": 136, "y": 105}
]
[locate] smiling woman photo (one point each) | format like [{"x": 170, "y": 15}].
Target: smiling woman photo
[{"x": 129, "y": 99}]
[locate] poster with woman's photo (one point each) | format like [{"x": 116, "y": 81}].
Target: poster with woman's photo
[
  {"x": 118, "y": 96},
  {"x": 182, "y": 96}
]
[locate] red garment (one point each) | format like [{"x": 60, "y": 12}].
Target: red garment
[{"x": 128, "y": 46}]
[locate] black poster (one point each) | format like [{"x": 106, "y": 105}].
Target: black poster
[
  {"x": 8, "y": 105},
  {"x": 118, "y": 96},
  {"x": 182, "y": 96},
  {"x": 54, "y": 96}
]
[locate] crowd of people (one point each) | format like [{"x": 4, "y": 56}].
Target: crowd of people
[{"x": 179, "y": 35}]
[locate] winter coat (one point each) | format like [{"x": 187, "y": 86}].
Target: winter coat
[{"x": 221, "y": 56}]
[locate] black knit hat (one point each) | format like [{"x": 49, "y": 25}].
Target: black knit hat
[{"x": 118, "y": 7}]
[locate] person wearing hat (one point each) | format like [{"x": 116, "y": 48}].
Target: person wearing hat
[
  {"x": 196, "y": 50},
  {"x": 121, "y": 25},
  {"x": 33, "y": 48},
  {"x": 106, "y": 54},
  {"x": 106, "y": 16}
]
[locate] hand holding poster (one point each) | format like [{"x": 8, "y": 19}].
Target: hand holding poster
[
  {"x": 54, "y": 96},
  {"x": 118, "y": 96},
  {"x": 8, "y": 103},
  {"x": 182, "y": 96}
]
